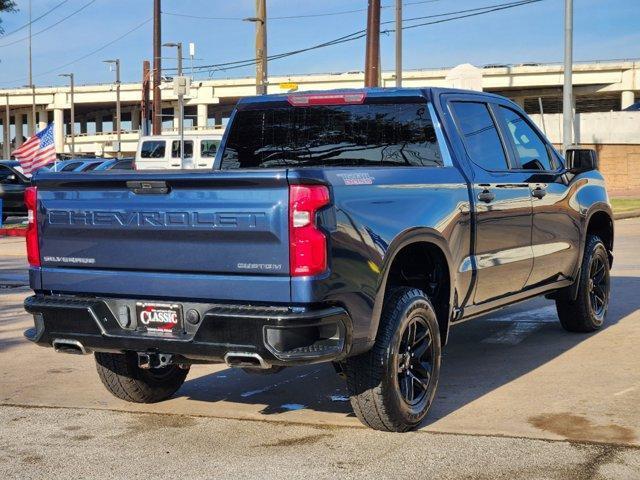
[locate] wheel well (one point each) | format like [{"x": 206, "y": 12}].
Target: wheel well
[
  {"x": 423, "y": 265},
  {"x": 600, "y": 224}
]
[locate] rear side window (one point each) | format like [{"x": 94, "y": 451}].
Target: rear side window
[
  {"x": 208, "y": 148},
  {"x": 153, "y": 149},
  {"x": 71, "y": 166},
  {"x": 332, "y": 136},
  {"x": 480, "y": 135},
  {"x": 188, "y": 149},
  {"x": 530, "y": 149}
]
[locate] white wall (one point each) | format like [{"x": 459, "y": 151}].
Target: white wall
[{"x": 598, "y": 127}]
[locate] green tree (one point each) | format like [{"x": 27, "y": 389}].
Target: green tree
[{"x": 6, "y": 6}]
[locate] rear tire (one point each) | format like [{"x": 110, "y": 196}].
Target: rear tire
[
  {"x": 392, "y": 386},
  {"x": 588, "y": 311},
  {"x": 122, "y": 376}
]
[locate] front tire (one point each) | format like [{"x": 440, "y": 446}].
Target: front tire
[
  {"x": 122, "y": 376},
  {"x": 588, "y": 311},
  {"x": 392, "y": 386}
]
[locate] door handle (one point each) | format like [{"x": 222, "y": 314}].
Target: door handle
[
  {"x": 486, "y": 196},
  {"x": 539, "y": 192}
]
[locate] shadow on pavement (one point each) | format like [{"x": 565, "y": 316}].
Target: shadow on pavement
[{"x": 482, "y": 355}]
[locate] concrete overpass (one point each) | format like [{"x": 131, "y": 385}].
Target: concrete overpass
[{"x": 599, "y": 86}]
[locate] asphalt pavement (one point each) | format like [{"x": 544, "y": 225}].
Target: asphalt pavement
[{"x": 518, "y": 398}]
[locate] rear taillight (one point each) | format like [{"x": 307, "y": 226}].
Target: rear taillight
[
  {"x": 308, "y": 245},
  {"x": 33, "y": 248}
]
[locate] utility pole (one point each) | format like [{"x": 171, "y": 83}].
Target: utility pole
[
  {"x": 398, "y": 43},
  {"x": 567, "y": 90},
  {"x": 372, "y": 56},
  {"x": 118, "y": 125},
  {"x": 73, "y": 113},
  {"x": 261, "y": 45},
  {"x": 157, "y": 68},
  {"x": 180, "y": 98},
  {"x": 32, "y": 124}
]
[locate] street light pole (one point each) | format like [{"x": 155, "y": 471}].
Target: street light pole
[
  {"x": 567, "y": 90},
  {"x": 180, "y": 100},
  {"x": 32, "y": 124},
  {"x": 398, "y": 43},
  {"x": 118, "y": 125},
  {"x": 6, "y": 131},
  {"x": 73, "y": 113},
  {"x": 156, "y": 120}
]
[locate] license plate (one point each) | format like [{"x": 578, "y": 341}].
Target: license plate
[{"x": 159, "y": 317}]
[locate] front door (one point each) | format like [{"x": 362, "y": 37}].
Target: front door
[
  {"x": 556, "y": 225},
  {"x": 503, "y": 255}
]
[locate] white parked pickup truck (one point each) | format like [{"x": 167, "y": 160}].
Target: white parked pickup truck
[{"x": 162, "y": 152}]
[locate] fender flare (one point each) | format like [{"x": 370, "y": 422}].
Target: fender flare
[
  {"x": 593, "y": 209},
  {"x": 402, "y": 240}
]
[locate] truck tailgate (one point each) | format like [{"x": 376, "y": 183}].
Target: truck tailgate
[{"x": 217, "y": 223}]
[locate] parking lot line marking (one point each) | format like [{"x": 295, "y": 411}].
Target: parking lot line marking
[{"x": 626, "y": 390}]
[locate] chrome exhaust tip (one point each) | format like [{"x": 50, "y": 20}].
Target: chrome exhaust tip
[
  {"x": 245, "y": 360},
  {"x": 73, "y": 347}
]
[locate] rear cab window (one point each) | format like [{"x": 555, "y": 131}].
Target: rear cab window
[{"x": 370, "y": 134}]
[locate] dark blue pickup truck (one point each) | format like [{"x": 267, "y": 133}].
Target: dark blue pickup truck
[{"x": 353, "y": 227}]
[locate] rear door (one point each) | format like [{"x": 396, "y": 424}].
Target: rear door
[{"x": 503, "y": 255}]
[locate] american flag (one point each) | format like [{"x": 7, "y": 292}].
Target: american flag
[{"x": 37, "y": 151}]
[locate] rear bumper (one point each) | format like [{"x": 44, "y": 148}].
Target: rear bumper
[{"x": 279, "y": 335}]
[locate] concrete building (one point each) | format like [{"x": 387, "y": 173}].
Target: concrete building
[{"x": 598, "y": 86}]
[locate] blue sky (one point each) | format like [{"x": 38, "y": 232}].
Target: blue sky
[{"x": 604, "y": 29}]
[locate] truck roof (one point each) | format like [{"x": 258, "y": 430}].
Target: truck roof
[{"x": 378, "y": 92}]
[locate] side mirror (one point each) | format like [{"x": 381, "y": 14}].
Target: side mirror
[{"x": 579, "y": 160}]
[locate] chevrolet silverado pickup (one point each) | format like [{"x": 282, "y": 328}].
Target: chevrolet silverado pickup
[{"x": 354, "y": 227}]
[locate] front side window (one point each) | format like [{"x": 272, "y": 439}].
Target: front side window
[
  {"x": 397, "y": 134},
  {"x": 188, "y": 149},
  {"x": 480, "y": 135},
  {"x": 91, "y": 166},
  {"x": 208, "y": 148},
  {"x": 531, "y": 150},
  {"x": 123, "y": 165},
  {"x": 153, "y": 149}
]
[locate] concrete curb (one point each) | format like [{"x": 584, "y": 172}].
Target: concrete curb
[
  {"x": 629, "y": 214},
  {"x": 13, "y": 232}
]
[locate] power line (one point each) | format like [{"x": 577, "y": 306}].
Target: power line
[
  {"x": 22, "y": 27},
  {"x": 362, "y": 33},
  {"x": 50, "y": 26},
  {"x": 291, "y": 17},
  {"x": 87, "y": 55}
]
